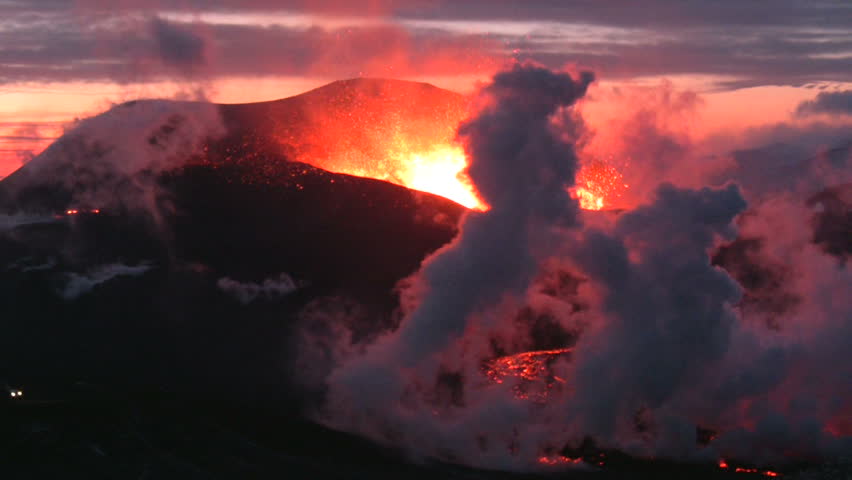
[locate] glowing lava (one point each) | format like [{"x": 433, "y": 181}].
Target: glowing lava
[
  {"x": 598, "y": 185},
  {"x": 440, "y": 171},
  {"x": 399, "y": 132},
  {"x": 558, "y": 460},
  {"x": 403, "y": 133},
  {"x": 533, "y": 368},
  {"x": 766, "y": 473}
]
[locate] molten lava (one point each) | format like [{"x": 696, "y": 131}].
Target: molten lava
[
  {"x": 766, "y": 473},
  {"x": 558, "y": 460},
  {"x": 532, "y": 368},
  {"x": 400, "y": 132},
  {"x": 598, "y": 185}
]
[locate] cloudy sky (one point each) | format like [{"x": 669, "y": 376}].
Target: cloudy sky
[{"x": 752, "y": 61}]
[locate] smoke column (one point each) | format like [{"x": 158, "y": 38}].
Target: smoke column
[{"x": 522, "y": 168}]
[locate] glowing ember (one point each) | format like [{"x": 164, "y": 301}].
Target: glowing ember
[
  {"x": 766, "y": 473},
  {"x": 77, "y": 211},
  {"x": 527, "y": 365},
  {"x": 533, "y": 368},
  {"x": 558, "y": 460},
  {"x": 598, "y": 185}
]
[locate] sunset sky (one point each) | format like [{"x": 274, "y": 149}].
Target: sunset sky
[{"x": 753, "y": 63}]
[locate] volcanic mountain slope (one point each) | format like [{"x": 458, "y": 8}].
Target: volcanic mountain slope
[
  {"x": 168, "y": 238},
  {"x": 346, "y": 126},
  {"x": 343, "y": 116}
]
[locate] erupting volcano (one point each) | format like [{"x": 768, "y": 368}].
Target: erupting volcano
[
  {"x": 417, "y": 262},
  {"x": 400, "y": 132}
]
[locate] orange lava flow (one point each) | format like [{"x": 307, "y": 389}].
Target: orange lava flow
[
  {"x": 558, "y": 460},
  {"x": 527, "y": 365},
  {"x": 766, "y": 473},
  {"x": 532, "y": 368}
]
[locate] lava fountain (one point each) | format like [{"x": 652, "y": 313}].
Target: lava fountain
[
  {"x": 405, "y": 133},
  {"x": 598, "y": 185}
]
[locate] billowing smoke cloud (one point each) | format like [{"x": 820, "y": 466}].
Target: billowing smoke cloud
[
  {"x": 79, "y": 284},
  {"x": 247, "y": 292},
  {"x": 645, "y": 135},
  {"x": 656, "y": 134},
  {"x": 666, "y": 309},
  {"x": 522, "y": 168},
  {"x": 665, "y": 318}
]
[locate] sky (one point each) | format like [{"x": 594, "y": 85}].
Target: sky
[{"x": 751, "y": 62}]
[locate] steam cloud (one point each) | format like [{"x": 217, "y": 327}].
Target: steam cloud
[
  {"x": 667, "y": 337},
  {"x": 522, "y": 168}
]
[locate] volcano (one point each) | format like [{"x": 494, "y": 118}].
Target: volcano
[{"x": 154, "y": 280}]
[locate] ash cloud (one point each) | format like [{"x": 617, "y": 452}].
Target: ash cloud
[{"x": 247, "y": 292}]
